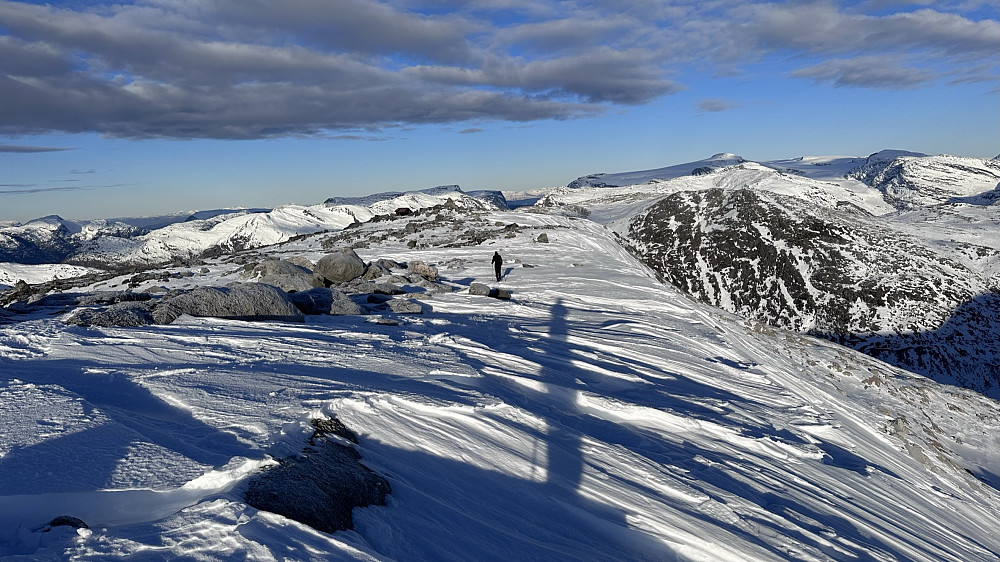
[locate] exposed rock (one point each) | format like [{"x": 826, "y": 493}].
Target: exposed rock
[
  {"x": 129, "y": 313},
  {"x": 829, "y": 272},
  {"x": 420, "y": 268},
  {"x": 68, "y": 521},
  {"x": 387, "y": 264},
  {"x": 374, "y": 271},
  {"x": 340, "y": 267},
  {"x": 320, "y": 300},
  {"x": 544, "y": 238},
  {"x": 479, "y": 289},
  {"x": 301, "y": 262},
  {"x": 238, "y": 301},
  {"x": 321, "y": 487},
  {"x": 283, "y": 274},
  {"x": 502, "y": 294},
  {"x": 112, "y": 297},
  {"x": 405, "y": 306}
]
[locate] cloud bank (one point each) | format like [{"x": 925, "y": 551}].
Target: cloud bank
[{"x": 241, "y": 69}]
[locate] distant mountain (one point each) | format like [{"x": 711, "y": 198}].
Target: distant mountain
[
  {"x": 910, "y": 181},
  {"x": 707, "y": 165},
  {"x": 119, "y": 243}
]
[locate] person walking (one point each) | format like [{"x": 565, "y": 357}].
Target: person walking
[{"x": 497, "y": 263}]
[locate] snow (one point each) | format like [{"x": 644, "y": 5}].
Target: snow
[
  {"x": 11, "y": 273},
  {"x": 597, "y": 415}
]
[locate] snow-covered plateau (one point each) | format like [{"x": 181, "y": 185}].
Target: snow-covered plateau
[{"x": 597, "y": 403}]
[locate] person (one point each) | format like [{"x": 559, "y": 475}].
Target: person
[{"x": 497, "y": 263}]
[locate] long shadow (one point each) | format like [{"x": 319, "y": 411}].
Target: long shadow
[{"x": 964, "y": 351}]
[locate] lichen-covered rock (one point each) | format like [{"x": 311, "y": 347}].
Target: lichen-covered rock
[
  {"x": 238, "y": 301},
  {"x": 340, "y": 267}
]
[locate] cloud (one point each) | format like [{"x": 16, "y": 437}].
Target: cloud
[
  {"x": 866, "y": 72},
  {"x": 16, "y": 149},
  {"x": 256, "y": 69},
  {"x": 31, "y": 190},
  {"x": 716, "y": 105},
  {"x": 471, "y": 130}
]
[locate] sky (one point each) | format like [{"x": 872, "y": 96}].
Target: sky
[{"x": 157, "y": 106}]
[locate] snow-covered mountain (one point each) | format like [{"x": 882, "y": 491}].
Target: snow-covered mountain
[
  {"x": 137, "y": 243},
  {"x": 807, "y": 245},
  {"x": 589, "y": 412}
]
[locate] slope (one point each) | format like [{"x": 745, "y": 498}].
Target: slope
[{"x": 597, "y": 415}]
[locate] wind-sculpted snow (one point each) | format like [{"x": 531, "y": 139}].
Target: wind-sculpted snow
[{"x": 596, "y": 415}]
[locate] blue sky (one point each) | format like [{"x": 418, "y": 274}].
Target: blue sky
[{"x": 156, "y": 106}]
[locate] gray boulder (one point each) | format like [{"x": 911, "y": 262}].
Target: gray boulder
[
  {"x": 321, "y": 300},
  {"x": 238, "y": 301},
  {"x": 544, "y": 238},
  {"x": 479, "y": 289},
  {"x": 301, "y": 262},
  {"x": 405, "y": 306},
  {"x": 340, "y": 267},
  {"x": 126, "y": 313},
  {"x": 284, "y": 274},
  {"x": 290, "y": 283},
  {"x": 422, "y": 269},
  {"x": 374, "y": 271}
]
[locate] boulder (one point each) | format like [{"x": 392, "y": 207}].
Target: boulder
[
  {"x": 127, "y": 313},
  {"x": 420, "y": 268},
  {"x": 320, "y": 487},
  {"x": 544, "y": 238},
  {"x": 283, "y": 274},
  {"x": 301, "y": 262},
  {"x": 340, "y": 267},
  {"x": 374, "y": 271},
  {"x": 388, "y": 264},
  {"x": 502, "y": 294},
  {"x": 238, "y": 301},
  {"x": 320, "y": 300},
  {"x": 290, "y": 283},
  {"x": 479, "y": 289},
  {"x": 405, "y": 306}
]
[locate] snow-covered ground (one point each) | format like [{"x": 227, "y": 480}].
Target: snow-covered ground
[{"x": 597, "y": 415}]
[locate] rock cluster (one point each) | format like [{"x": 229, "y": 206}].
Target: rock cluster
[{"x": 287, "y": 290}]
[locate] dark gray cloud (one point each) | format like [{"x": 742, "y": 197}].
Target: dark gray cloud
[
  {"x": 257, "y": 68},
  {"x": 471, "y": 130},
  {"x": 17, "y": 149}
]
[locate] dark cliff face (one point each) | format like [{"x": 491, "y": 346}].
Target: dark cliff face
[{"x": 835, "y": 273}]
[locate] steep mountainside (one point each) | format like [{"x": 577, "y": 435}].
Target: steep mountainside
[
  {"x": 819, "y": 245},
  {"x": 910, "y": 181},
  {"x": 828, "y": 272}
]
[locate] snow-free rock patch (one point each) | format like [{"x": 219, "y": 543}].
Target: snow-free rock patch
[{"x": 322, "y": 486}]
